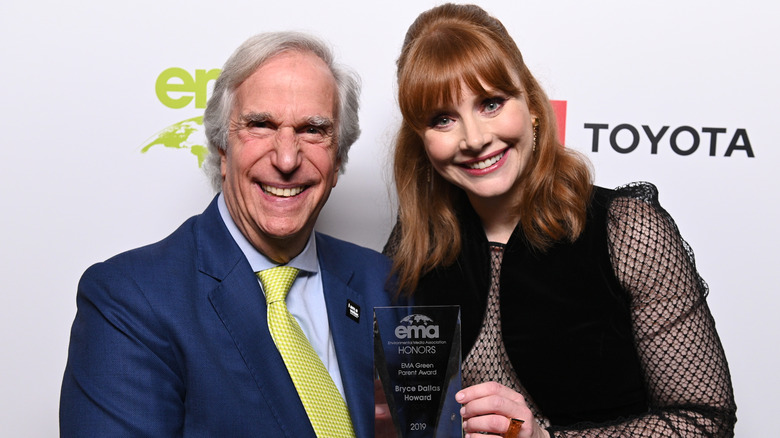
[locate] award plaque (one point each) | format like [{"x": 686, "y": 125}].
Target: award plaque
[{"x": 417, "y": 371}]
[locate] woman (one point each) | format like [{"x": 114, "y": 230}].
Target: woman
[{"x": 582, "y": 310}]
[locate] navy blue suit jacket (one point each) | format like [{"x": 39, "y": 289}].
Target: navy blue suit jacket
[{"x": 171, "y": 340}]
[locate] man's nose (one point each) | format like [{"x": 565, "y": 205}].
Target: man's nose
[{"x": 288, "y": 156}]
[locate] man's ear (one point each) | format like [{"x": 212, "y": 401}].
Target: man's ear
[
  {"x": 222, "y": 162},
  {"x": 336, "y": 172}
]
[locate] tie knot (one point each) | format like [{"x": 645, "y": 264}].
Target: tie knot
[{"x": 277, "y": 281}]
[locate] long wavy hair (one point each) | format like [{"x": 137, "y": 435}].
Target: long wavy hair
[{"x": 445, "y": 47}]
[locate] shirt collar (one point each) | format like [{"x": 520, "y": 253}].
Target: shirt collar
[{"x": 305, "y": 261}]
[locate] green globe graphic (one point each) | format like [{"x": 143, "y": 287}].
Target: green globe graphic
[{"x": 179, "y": 136}]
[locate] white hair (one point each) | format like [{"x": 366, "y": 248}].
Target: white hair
[{"x": 246, "y": 60}]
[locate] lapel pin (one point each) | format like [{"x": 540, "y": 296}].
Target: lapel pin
[{"x": 353, "y": 311}]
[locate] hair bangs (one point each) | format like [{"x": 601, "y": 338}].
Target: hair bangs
[{"x": 441, "y": 63}]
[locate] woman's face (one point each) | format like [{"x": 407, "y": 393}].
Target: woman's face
[{"x": 481, "y": 144}]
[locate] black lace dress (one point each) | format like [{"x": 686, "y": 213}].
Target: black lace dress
[{"x": 609, "y": 336}]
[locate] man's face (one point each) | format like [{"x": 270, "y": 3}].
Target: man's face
[{"x": 281, "y": 162}]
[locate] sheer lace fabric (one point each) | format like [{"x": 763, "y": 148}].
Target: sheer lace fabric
[
  {"x": 683, "y": 361},
  {"x": 488, "y": 360}
]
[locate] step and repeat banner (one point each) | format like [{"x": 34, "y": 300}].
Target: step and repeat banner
[{"x": 101, "y": 126}]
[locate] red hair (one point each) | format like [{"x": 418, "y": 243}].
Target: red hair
[{"x": 445, "y": 47}]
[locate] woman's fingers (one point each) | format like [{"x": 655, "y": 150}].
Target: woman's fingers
[
  {"x": 485, "y": 389},
  {"x": 493, "y": 424},
  {"x": 489, "y": 407},
  {"x": 491, "y": 398}
]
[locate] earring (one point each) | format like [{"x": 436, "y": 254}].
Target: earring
[
  {"x": 536, "y": 129},
  {"x": 428, "y": 176}
]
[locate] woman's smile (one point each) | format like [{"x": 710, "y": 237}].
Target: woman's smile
[
  {"x": 486, "y": 165},
  {"x": 482, "y": 143}
]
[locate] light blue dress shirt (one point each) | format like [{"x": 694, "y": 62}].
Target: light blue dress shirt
[{"x": 305, "y": 300}]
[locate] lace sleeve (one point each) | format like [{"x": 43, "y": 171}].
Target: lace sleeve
[
  {"x": 685, "y": 368},
  {"x": 391, "y": 246}
]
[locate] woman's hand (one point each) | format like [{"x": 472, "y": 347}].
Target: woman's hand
[{"x": 489, "y": 407}]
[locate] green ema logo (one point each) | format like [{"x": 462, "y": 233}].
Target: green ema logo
[{"x": 176, "y": 88}]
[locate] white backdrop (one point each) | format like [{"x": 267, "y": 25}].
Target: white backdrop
[{"x": 78, "y": 103}]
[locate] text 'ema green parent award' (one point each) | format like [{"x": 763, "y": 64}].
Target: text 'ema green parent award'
[{"x": 417, "y": 371}]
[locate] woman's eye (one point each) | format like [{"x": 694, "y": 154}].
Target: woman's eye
[
  {"x": 441, "y": 121},
  {"x": 493, "y": 104}
]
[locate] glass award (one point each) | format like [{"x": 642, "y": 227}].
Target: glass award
[{"x": 417, "y": 371}]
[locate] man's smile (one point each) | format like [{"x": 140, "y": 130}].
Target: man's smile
[{"x": 282, "y": 192}]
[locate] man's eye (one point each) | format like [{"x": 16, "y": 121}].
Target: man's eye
[
  {"x": 314, "y": 131},
  {"x": 257, "y": 124}
]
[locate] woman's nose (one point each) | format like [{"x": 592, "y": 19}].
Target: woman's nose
[{"x": 475, "y": 134}]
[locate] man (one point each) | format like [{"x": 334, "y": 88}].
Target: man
[{"x": 173, "y": 339}]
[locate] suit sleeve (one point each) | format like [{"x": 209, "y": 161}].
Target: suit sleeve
[{"x": 121, "y": 378}]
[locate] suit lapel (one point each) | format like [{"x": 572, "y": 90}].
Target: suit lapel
[
  {"x": 238, "y": 301},
  {"x": 353, "y": 339}
]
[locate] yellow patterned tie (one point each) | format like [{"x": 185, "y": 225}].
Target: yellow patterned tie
[{"x": 324, "y": 405}]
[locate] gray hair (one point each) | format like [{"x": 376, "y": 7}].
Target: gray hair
[{"x": 246, "y": 60}]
